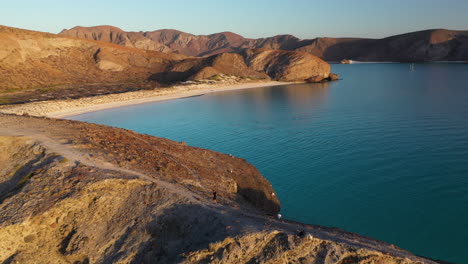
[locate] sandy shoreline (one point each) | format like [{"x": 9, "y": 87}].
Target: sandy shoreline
[{"x": 70, "y": 107}]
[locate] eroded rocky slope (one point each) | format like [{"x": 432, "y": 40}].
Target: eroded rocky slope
[
  {"x": 427, "y": 45},
  {"x": 73, "y": 192}
]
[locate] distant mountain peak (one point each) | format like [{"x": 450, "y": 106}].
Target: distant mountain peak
[{"x": 100, "y": 27}]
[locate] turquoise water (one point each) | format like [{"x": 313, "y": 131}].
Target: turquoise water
[{"x": 383, "y": 152}]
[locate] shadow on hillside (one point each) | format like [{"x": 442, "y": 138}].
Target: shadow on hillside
[
  {"x": 354, "y": 49},
  {"x": 412, "y": 47},
  {"x": 181, "y": 229},
  {"x": 21, "y": 176},
  {"x": 167, "y": 78},
  {"x": 11, "y": 259},
  {"x": 258, "y": 199}
]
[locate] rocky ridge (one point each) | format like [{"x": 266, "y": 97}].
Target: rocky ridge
[
  {"x": 73, "y": 192},
  {"x": 426, "y": 45}
]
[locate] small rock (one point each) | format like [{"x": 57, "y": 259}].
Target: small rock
[
  {"x": 333, "y": 77},
  {"x": 315, "y": 79},
  {"x": 29, "y": 238}
]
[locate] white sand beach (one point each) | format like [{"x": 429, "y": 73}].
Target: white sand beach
[{"x": 70, "y": 107}]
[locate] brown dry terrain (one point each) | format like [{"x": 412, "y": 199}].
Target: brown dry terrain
[
  {"x": 33, "y": 59},
  {"x": 37, "y": 66},
  {"x": 74, "y": 192},
  {"x": 427, "y": 45}
]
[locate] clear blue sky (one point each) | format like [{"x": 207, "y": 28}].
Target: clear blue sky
[{"x": 250, "y": 18}]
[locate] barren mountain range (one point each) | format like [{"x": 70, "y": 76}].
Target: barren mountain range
[
  {"x": 73, "y": 63},
  {"x": 427, "y": 45},
  {"x": 52, "y": 63}
]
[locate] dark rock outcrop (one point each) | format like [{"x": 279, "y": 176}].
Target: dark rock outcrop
[
  {"x": 315, "y": 79},
  {"x": 320, "y": 78}
]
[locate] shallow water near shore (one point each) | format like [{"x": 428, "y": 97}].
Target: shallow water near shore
[{"x": 383, "y": 152}]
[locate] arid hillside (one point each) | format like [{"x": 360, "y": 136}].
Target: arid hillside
[
  {"x": 37, "y": 66},
  {"x": 427, "y": 45},
  {"x": 34, "y": 59},
  {"x": 74, "y": 192},
  {"x": 42, "y": 66}
]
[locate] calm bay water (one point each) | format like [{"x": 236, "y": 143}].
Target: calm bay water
[{"x": 383, "y": 152}]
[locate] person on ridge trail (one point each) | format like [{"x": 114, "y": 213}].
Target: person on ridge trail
[{"x": 214, "y": 197}]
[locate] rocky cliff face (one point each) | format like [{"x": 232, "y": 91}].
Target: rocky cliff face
[
  {"x": 428, "y": 45},
  {"x": 286, "y": 65},
  {"x": 73, "y": 192}
]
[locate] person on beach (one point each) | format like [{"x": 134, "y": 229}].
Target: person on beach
[
  {"x": 279, "y": 216},
  {"x": 214, "y": 197}
]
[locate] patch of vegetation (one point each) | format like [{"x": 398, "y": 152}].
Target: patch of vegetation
[
  {"x": 16, "y": 169},
  {"x": 215, "y": 78},
  {"x": 168, "y": 167},
  {"x": 24, "y": 180},
  {"x": 63, "y": 160},
  {"x": 10, "y": 90},
  {"x": 46, "y": 89},
  {"x": 4, "y": 100}
]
